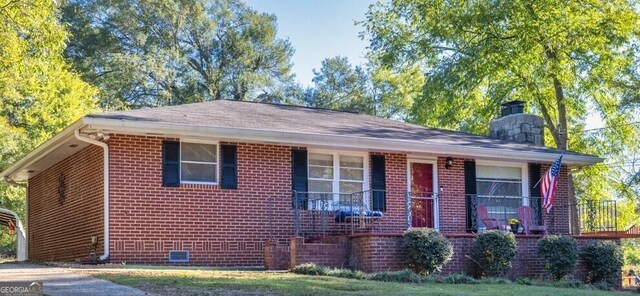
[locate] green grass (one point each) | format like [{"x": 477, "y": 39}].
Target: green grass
[{"x": 195, "y": 282}]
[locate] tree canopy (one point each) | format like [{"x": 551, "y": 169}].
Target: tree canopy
[
  {"x": 156, "y": 52},
  {"x": 367, "y": 89},
  {"x": 39, "y": 95},
  {"x": 567, "y": 59}
]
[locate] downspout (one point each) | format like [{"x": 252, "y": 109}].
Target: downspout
[{"x": 105, "y": 149}]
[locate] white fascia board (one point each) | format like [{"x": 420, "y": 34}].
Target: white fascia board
[
  {"x": 42, "y": 150},
  {"x": 349, "y": 142}
]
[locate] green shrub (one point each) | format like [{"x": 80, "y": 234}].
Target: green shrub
[
  {"x": 524, "y": 281},
  {"x": 495, "y": 281},
  {"x": 427, "y": 250},
  {"x": 568, "y": 283},
  {"x": 603, "y": 285},
  {"x": 456, "y": 278},
  {"x": 560, "y": 254},
  {"x": 309, "y": 269},
  {"x": 346, "y": 273},
  {"x": 493, "y": 252},
  {"x": 402, "y": 276},
  {"x": 603, "y": 260}
]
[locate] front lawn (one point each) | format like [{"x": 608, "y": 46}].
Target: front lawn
[{"x": 214, "y": 282}]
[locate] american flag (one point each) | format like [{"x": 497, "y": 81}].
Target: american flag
[{"x": 548, "y": 187}]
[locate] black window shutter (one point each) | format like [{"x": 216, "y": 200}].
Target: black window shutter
[
  {"x": 170, "y": 164},
  {"x": 534, "y": 191},
  {"x": 378, "y": 183},
  {"x": 470, "y": 190},
  {"x": 229, "y": 167},
  {"x": 299, "y": 181}
]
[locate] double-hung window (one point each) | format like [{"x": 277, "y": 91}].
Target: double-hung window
[
  {"x": 500, "y": 189},
  {"x": 198, "y": 163},
  {"x": 351, "y": 177},
  {"x": 336, "y": 173}
]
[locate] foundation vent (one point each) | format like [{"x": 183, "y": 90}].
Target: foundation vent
[{"x": 178, "y": 256}]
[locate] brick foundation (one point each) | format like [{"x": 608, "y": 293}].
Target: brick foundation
[
  {"x": 333, "y": 254},
  {"x": 373, "y": 253},
  {"x": 376, "y": 253}
]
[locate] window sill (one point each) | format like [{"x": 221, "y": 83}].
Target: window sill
[{"x": 200, "y": 185}]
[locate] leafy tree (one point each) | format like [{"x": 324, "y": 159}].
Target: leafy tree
[
  {"x": 565, "y": 58},
  {"x": 157, "y": 52},
  {"x": 339, "y": 85},
  {"x": 39, "y": 95},
  {"x": 371, "y": 89}
]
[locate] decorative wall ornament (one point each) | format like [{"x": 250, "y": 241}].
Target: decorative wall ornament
[{"x": 61, "y": 189}]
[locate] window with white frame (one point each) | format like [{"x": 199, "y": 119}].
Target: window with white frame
[
  {"x": 499, "y": 181},
  {"x": 198, "y": 163},
  {"x": 336, "y": 173},
  {"x": 351, "y": 174},
  {"x": 500, "y": 190}
]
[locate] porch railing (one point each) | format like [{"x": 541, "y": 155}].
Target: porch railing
[
  {"x": 593, "y": 217},
  {"x": 422, "y": 209},
  {"x": 317, "y": 214},
  {"x": 597, "y": 217},
  {"x": 501, "y": 209}
]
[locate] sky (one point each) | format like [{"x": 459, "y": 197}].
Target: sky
[{"x": 318, "y": 29}]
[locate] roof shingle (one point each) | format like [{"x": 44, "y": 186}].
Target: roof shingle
[{"x": 287, "y": 118}]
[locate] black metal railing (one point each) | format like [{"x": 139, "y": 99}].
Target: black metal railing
[
  {"x": 496, "y": 212},
  {"x": 596, "y": 217},
  {"x": 317, "y": 214},
  {"x": 421, "y": 209}
]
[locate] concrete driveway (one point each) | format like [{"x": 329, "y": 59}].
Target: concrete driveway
[{"x": 62, "y": 281}]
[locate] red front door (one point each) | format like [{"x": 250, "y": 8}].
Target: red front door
[{"x": 421, "y": 194}]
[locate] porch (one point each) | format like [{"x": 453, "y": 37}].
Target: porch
[
  {"x": 319, "y": 215},
  {"x": 363, "y": 230}
]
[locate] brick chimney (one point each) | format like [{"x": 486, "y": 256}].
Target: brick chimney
[{"x": 516, "y": 126}]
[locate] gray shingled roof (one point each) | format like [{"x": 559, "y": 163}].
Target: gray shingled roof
[{"x": 286, "y": 118}]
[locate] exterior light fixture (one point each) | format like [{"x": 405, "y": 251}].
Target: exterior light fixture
[{"x": 448, "y": 163}]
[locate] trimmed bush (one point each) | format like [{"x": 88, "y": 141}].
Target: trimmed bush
[
  {"x": 402, "y": 276},
  {"x": 309, "y": 269},
  {"x": 494, "y": 251},
  {"x": 560, "y": 254},
  {"x": 456, "y": 278},
  {"x": 495, "y": 281},
  {"x": 603, "y": 260},
  {"x": 568, "y": 283},
  {"x": 346, "y": 273},
  {"x": 427, "y": 250}
]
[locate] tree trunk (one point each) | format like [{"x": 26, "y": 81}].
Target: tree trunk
[{"x": 562, "y": 143}]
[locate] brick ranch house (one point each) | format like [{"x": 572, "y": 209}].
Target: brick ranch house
[{"x": 230, "y": 183}]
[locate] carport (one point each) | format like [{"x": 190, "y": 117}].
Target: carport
[{"x": 10, "y": 220}]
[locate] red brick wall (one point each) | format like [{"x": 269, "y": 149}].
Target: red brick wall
[
  {"x": 375, "y": 253},
  {"x": 452, "y": 197},
  {"x": 63, "y": 232},
  {"x": 218, "y": 227},
  {"x": 395, "y": 218},
  {"x": 558, "y": 218},
  {"x": 277, "y": 256},
  {"x": 332, "y": 254}
]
